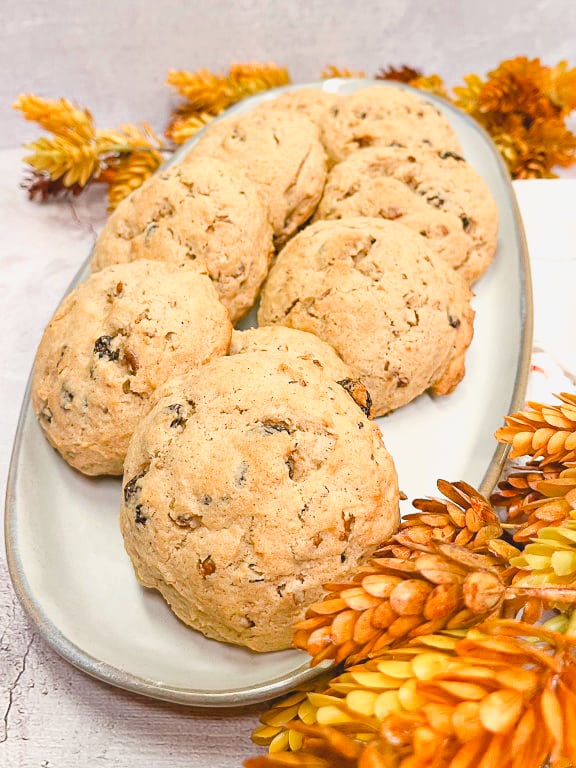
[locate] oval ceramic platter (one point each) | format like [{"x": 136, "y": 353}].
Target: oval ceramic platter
[{"x": 66, "y": 555}]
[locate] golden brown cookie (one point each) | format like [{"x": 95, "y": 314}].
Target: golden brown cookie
[
  {"x": 281, "y": 152},
  {"x": 384, "y": 115},
  {"x": 397, "y": 314},
  {"x": 270, "y": 483},
  {"x": 437, "y": 194},
  {"x": 290, "y": 341},
  {"x": 111, "y": 343},
  {"x": 205, "y": 213},
  {"x": 311, "y": 102}
]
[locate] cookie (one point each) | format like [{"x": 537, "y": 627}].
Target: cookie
[
  {"x": 311, "y": 102},
  {"x": 111, "y": 343},
  {"x": 290, "y": 341},
  {"x": 281, "y": 152},
  {"x": 270, "y": 483},
  {"x": 437, "y": 194},
  {"x": 383, "y": 116},
  {"x": 206, "y": 213},
  {"x": 397, "y": 314}
]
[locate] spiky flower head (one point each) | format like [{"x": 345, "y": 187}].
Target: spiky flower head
[
  {"x": 331, "y": 71},
  {"x": 547, "y": 565},
  {"x": 523, "y": 105},
  {"x": 504, "y": 696},
  {"x": 538, "y": 499},
  {"x": 543, "y": 431},
  {"x": 419, "y": 583},
  {"x": 207, "y": 92},
  {"x": 77, "y": 153}
]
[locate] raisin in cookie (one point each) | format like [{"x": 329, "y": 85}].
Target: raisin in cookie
[
  {"x": 382, "y": 116},
  {"x": 206, "y": 213},
  {"x": 394, "y": 311},
  {"x": 437, "y": 194},
  {"x": 111, "y": 343},
  {"x": 290, "y": 341},
  {"x": 269, "y": 483},
  {"x": 311, "y": 102},
  {"x": 281, "y": 152}
]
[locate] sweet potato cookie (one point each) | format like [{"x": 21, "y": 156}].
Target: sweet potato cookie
[
  {"x": 281, "y": 152},
  {"x": 382, "y": 116},
  {"x": 206, "y": 213},
  {"x": 111, "y": 343},
  {"x": 290, "y": 341},
  {"x": 253, "y": 481},
  {"x": 394, "y": 312},
  {"x": 437, "y": 194},
  {"x": 311, "y": 102}
]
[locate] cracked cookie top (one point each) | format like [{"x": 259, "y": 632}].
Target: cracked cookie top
[
  {"x": 290, "y": 341},
  {"x": 281, "y": 152},
  {"x": 311, "y": 102},
  {"x": 437, "y": 194},
  {"x": 382, "y": 116},
  {"x": 206, "y": 213},
  {"x": 252, "y": 481},
  {"x": 397, "y": 314},
  {"x": 110, "y": 344}
]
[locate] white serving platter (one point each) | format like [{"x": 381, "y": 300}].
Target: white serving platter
[{"x": 65, "y": 552}]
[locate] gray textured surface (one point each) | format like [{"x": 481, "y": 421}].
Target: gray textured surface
[{"x": 113, "y": 55}]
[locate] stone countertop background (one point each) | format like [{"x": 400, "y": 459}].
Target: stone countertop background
[{"x": 113, "y": 57}]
